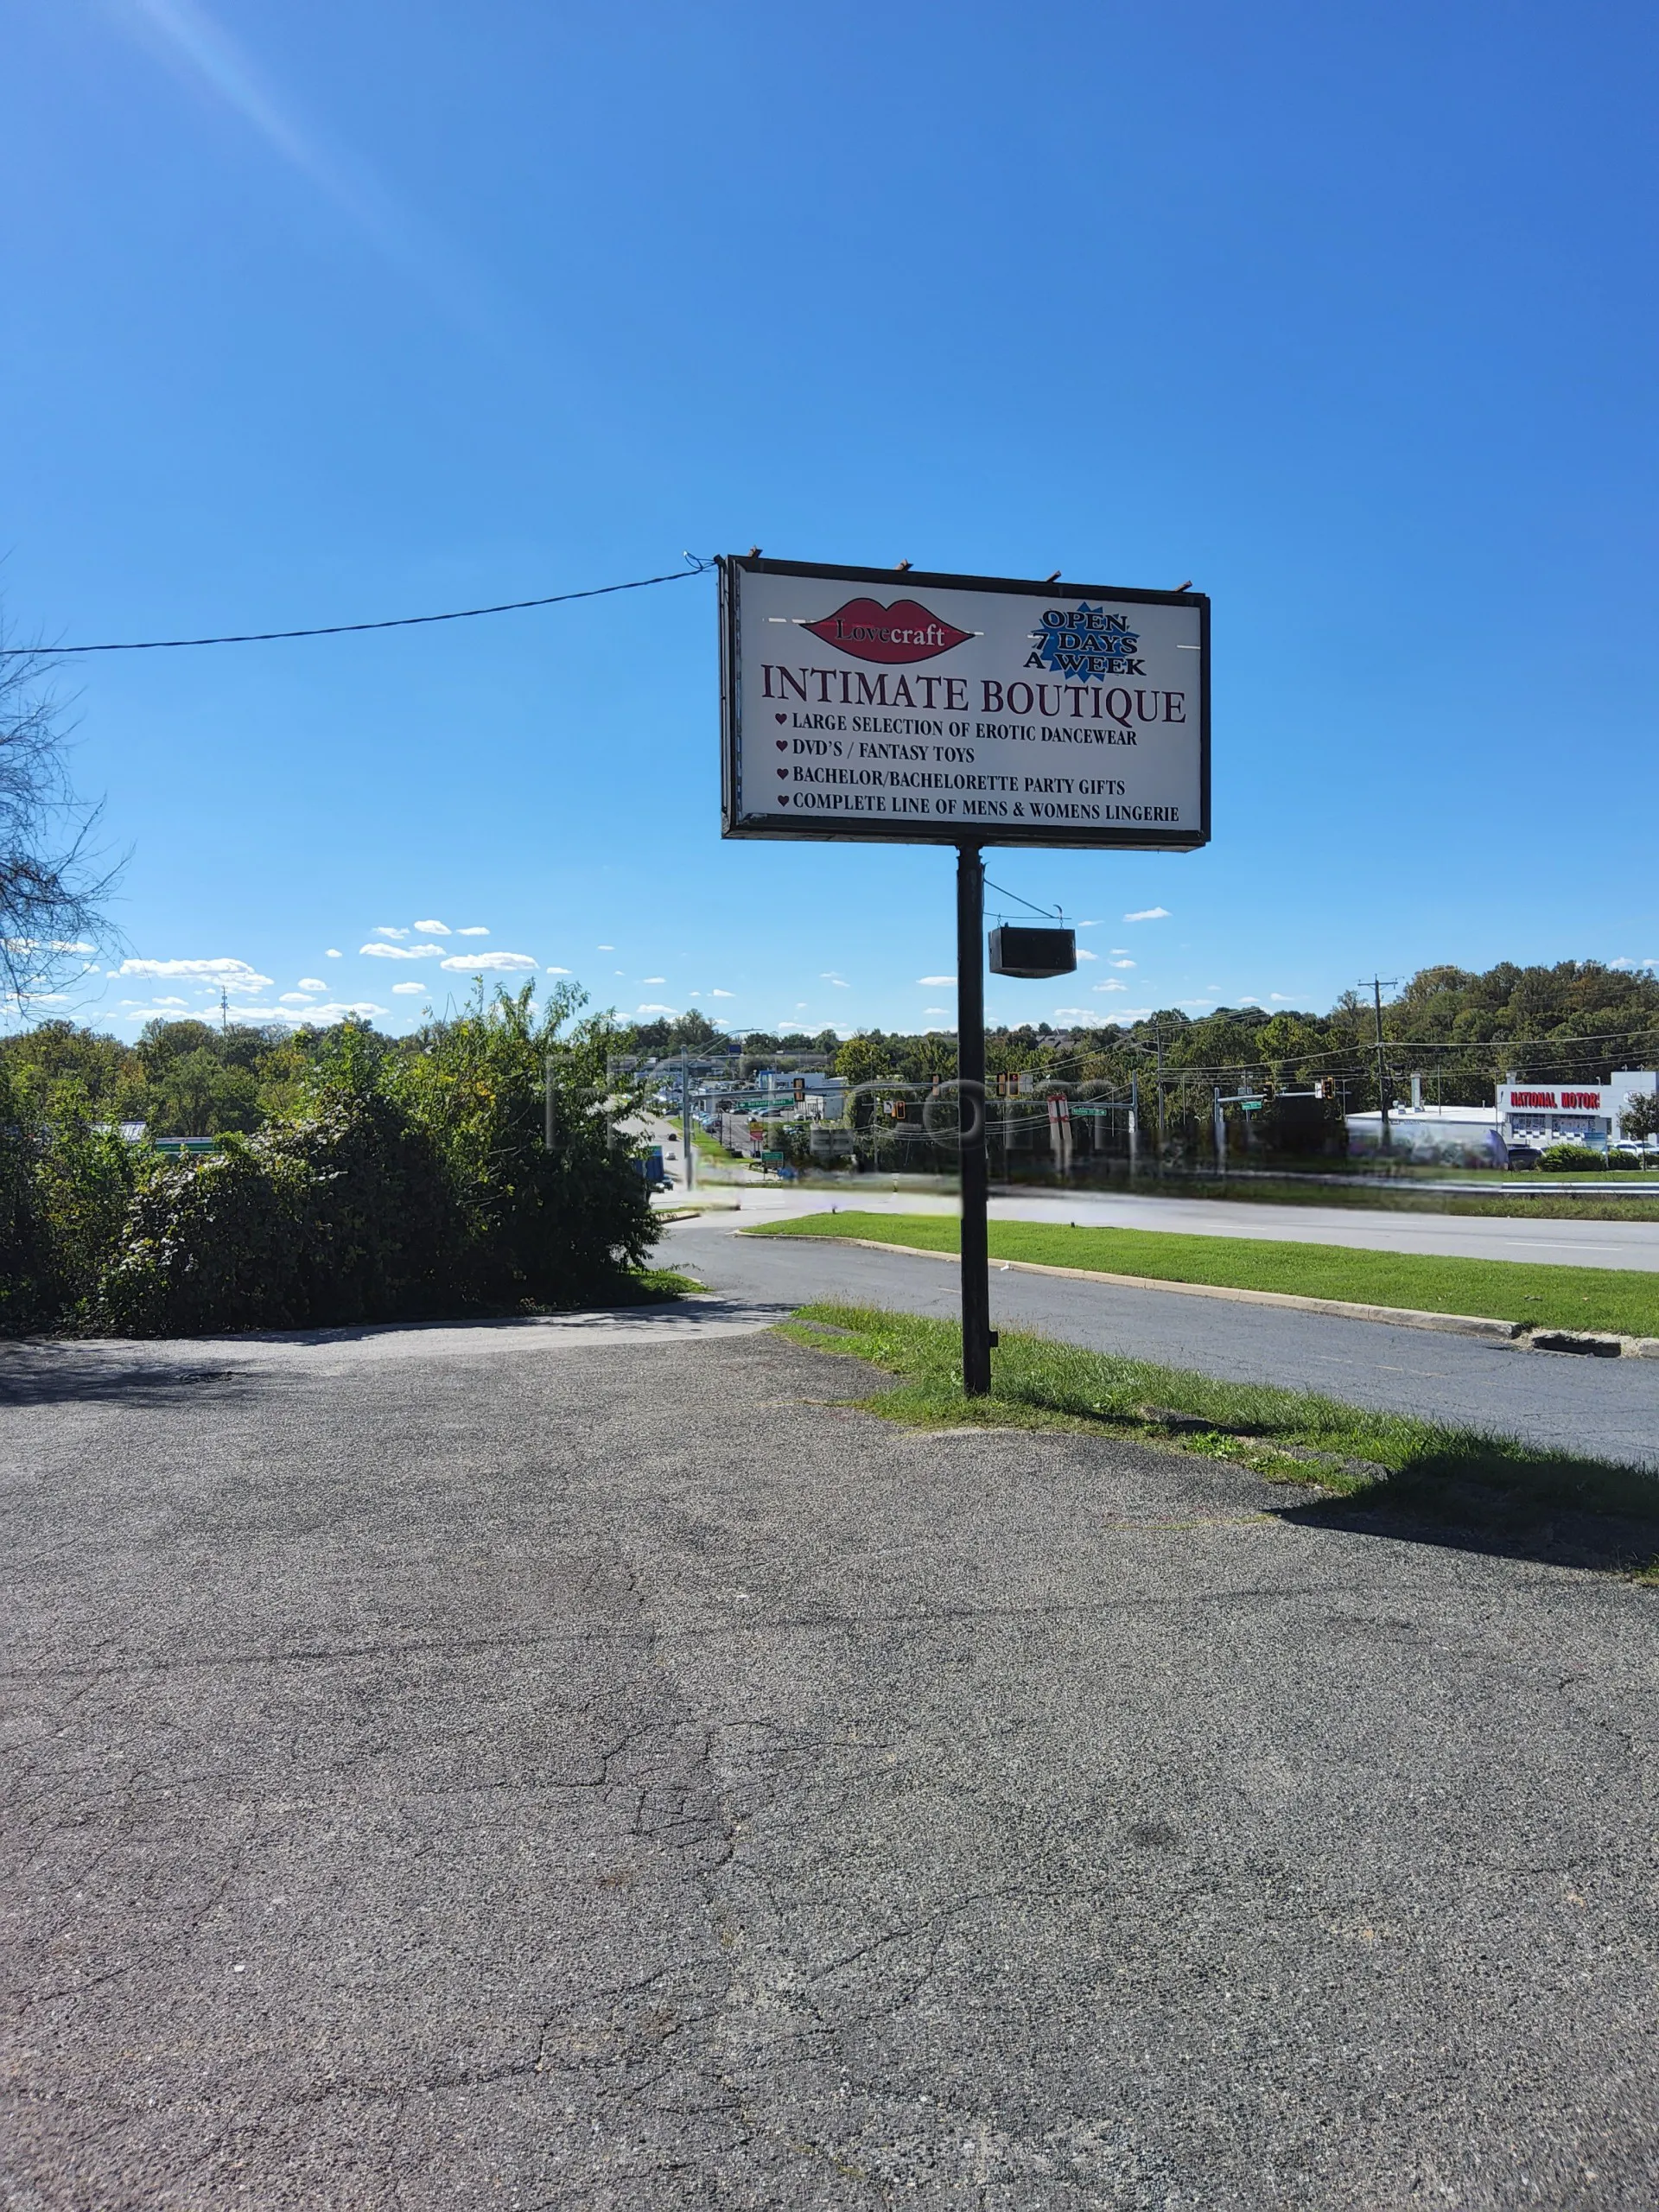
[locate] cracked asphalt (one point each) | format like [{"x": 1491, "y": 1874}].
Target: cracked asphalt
[{"x": 593, "y": 1766}]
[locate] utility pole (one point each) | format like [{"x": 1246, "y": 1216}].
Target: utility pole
[
  {"x": 548, "y": 1130},
  {"x": 1378, "y": 985},
  {"x": 1158, "y": 1036},
  {"x": 1135, "y": 1123},
  {"x": 685, "y": 1118}
]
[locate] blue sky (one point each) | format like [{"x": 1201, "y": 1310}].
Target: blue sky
[{"x": 327, "y": 312}]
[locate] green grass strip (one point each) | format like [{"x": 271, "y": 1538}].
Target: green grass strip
[
  {"x": 1619, "y": 1301},
  {"x": 1288, "y": 1435}
]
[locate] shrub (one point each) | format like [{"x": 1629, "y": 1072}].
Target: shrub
[
  {"x": 341, "y": 1218},
  {"x": 1573, "y": 1160},
  {"x": 64, "y": 1186},
  {"x": 542, "y": 1226},
  {"x": 411, "y": 1179}
]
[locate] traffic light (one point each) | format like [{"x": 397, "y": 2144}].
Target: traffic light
[
  {"x": 1267, "y": 1094},
  {"x": 800, "y": 1091},
  {"x": 900, "y": 1111},
  {"x": 1327, "y": 1086}
]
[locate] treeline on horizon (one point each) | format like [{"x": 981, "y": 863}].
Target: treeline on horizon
[{"x": 1463, "y": 1032}]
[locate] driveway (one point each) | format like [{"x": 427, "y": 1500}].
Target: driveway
[{"x": 582, "y": 1766}]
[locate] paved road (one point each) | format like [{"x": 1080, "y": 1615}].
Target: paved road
[
  {"x": 575, "y": 1767},
  {"x": 1605, "y": 1407},
  {"x": 1474, "y": 1236}
]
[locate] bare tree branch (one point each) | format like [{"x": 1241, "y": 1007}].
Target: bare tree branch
[{"x": 52, "y": 881}]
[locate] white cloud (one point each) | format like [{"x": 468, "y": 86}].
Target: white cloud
[
  {"x": 604, "y": 948},
  {"x": 401, "y": 951},
  {"x": 653, "y": 979},
  {"x": 1195, "y": 1001},
  {"x": 383, "y": 931},
  {"x": 936, "y": 1010},
  {"x": 407, "y": 990},
  {"x": 434, "y": 929},
  {"x": 656, "y": 1009},
  {"x": 1149, "y": 914},
  {"x": 475, "y": 928},
  {"x": 334, "y": 953},
  {"x": 296, "y": 998},
  {"x": 1088, "y": 925},
  {"x": 335, "y": 1011},
  {"x": 1126, "y": 963},
  {"x": 1281, "y": 998},
  {"x": 149, "y": 1003},
  {"x": 1084, "y": 953},
  {"x": 1124, "y": 1015},
  {"x": 1073, "y": 1014},
  {"x": 309, "y": 983},
  {"x": 551, "y": 971},
  {"x": 932, "y": 982},
  {"x": 233, "y": 974},
  {"x": 477, "y": 963},
  {"x": 1113, "y": 985},
  {"x": 70, "y": 944},
  {"x": 722, "y": 994}
]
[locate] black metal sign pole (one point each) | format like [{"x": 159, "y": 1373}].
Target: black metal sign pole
[{"x": 970, "y": 1073}]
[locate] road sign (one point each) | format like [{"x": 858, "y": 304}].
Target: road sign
[{"x": 945, "y": 709}]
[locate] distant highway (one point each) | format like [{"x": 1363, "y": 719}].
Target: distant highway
[{"x": 1463, "y": 1237}]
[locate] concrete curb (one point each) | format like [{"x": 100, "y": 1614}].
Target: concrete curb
[{"x": 1523, "y": 1336}]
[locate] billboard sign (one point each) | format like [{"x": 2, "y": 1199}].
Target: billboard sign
[{"x": 886, "y": 703}]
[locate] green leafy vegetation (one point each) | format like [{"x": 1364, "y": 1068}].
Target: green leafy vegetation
[
  {"x": 1463, "y": 1031},
  {"x": 1622, "y": 1301},
  {"x": 391, "y": 1179},
  {"x": 1287, "y": 1435}
]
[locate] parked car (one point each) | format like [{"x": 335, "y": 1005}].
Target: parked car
[{"x": 1523, "y": 1155}]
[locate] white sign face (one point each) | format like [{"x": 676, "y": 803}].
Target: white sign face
[{"x": 862, "y": 702}]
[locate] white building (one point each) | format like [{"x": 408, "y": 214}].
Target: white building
[
  {"x": 1530, "y": 1114},
  {"x": 1457, "y": 1136},
  {"x": 1541, "y": 1114}
]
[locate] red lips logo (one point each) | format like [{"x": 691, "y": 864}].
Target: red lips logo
[{"x": 905, "y": 630}]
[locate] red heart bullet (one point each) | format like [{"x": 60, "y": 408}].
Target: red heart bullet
[
  {"x": 783, "y": 799},
  {"x": 778, "y": 718}
]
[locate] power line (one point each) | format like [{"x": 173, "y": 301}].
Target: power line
[{"x": 347, "y": 629}]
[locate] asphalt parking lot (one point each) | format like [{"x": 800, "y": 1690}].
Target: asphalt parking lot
[{"x": 591, "y": 1765}]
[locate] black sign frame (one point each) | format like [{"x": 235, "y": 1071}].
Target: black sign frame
[{"x": 1128, "y": 838}]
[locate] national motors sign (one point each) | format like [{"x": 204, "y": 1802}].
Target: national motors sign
[{"x": 862, "y": 702}]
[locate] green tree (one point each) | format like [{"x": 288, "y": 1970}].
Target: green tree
[{"x": 196, "y": 1095}]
